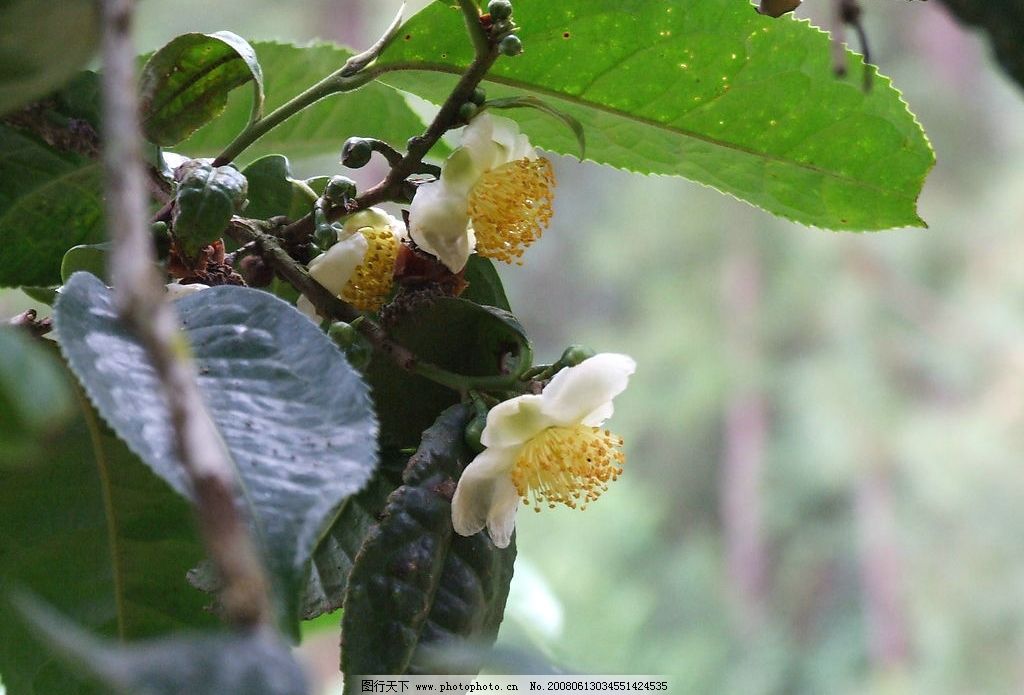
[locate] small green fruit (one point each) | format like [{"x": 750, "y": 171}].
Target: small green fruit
[
  {"x": 326, "y": 236},
  {"x": 478, "y": 97}
]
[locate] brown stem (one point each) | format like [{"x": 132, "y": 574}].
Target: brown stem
[
  {"x": 391, "y": 188},
  {"x": 29, "y": 320},
  {"x": 141, "y": 302}
]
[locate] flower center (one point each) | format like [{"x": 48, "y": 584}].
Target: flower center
[
  {"x": 510, "y": 207},
  {"x": 370, "y": 284},
  {"x": 571, "y": 465}
]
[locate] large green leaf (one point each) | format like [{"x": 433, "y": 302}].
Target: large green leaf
[
  {"x": 322, "y": 128},
  {"x": 186, "y": 83},
  {"x": 416, "y": 587},
  {"x": 35, "y": 398},
  {"x": 214, "y": 664},
  {"x": 455, "y": 334},
  {"x": 709, "y": 90},
  {"x": 296, "y": 418},
  {"x": 43, "y": 44},
  {"x": 49, "y": 201},
  {"x": 86, "y": 526}
]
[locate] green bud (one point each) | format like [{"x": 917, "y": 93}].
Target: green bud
[
  {"x": 343, "y": 334},
  {"x": 467, "y": 111},
  {"x": 510, "y": 46},
  {"x": 339, "y": 190},
  {"x": 499, "y": 9},
  {"x": 356, "y": 152},
  {"x": 478, "y": 97},
  {"x": 326, "y": 236},
  {"x": 574, "y": 354},
  {"x": 474, "y": 430}
]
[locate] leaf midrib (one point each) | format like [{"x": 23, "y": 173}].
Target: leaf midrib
[{"x": 578, "y": 101}]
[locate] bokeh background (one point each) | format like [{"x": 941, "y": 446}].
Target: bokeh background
[{"x": 825, "y": 474}]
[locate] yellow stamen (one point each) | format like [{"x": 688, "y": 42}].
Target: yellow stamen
[
  {"x": 510, "y": 207},
  {"x": 371, "y": 282},
  {"x": 570, "y": 465}
]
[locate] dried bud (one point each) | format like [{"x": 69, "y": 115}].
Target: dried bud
[{"x": 255, "y": 271}]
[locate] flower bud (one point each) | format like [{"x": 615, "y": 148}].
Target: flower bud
[
  {"x": 478, "y": 97},
  {"x": 356, "y": 152},
  {"x": 510, "y": 46},
  {"x": 326, "y": 236},
  {"x": 343, "y": 334},
  {"x": 467, "y": 111},
  {"x": 574, "y": 354},
  {"x": 339, "y": 190},
  {"x": 499, "y": 9}
]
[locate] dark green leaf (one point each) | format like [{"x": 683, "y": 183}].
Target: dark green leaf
[
  {"x": 273, "y": 191},
  {"x": 90, "y": 529},
  {"x": 213, "y": 664},
  {"x": 44, "y": 43},
  {"x": 49, "y": 201},
  {"x": 295, "y": 417},
  {"x": 207, "y": 197},
  {"x": 320, "y": 129},
  {"x": 484, "y": 283},
  {"x": 711, "y": 91},
  {"x": 186, "y": 83},
  {"x": 416, "y": 587},
  {"x": 455, "y": 334},
  {"x": 92, "y": 258},
  {"x": 35, "y": 398}
]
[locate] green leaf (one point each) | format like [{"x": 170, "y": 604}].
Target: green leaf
[
  {"x": 185, "y": 84},
  {"x": 320, "y": 129},
  {"x": 90, "y": 529},
  {"x": 711, "y": 91},
  {"x": 46, "y": 295},
  {"x": 91, "y": 258},
  {"x": 206, "y": 199},
  {"x": 416, "y": 587},
  {"x": 484, "y": 284},
  {"x": 256, "y": 663},
  {"x": 273, "y": 191},
  {"x": 454, "y": 334},
  {"x": 44, "y": 43},
  {"x": 35, "y": 396},
  {"x": 49, "y": 201},
  {"x": 294, "y": 415}
]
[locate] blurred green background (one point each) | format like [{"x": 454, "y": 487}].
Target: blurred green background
[{"x": 824, "y": 488}]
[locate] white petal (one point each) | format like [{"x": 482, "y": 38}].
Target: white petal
[
  {"x": 175, "y": 290},
  {"x": 438, "y": 223},
  {"x": 334, "y": 267},
  {"x": 471, "y": 504},
  {"x": 515, "y": 422},
  {"x": 580, "y": 392},
  {"x": 501, "y": 520},
  {"x": 598, "y": 417},
  {"x": 461, "y": 171},
  {"x": 307, "y": 308},
  {"x": 513, "y": 144},
  {"x": 478, "y": 141}
]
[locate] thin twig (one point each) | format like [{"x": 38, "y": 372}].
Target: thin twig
[
  {"x": 143, "y": 307},
  {"x": 29, "y": 320},
  {"x": 391, "y": 187}
]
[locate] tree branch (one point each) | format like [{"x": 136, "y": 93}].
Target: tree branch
[{"x": 141, "y": 302}]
